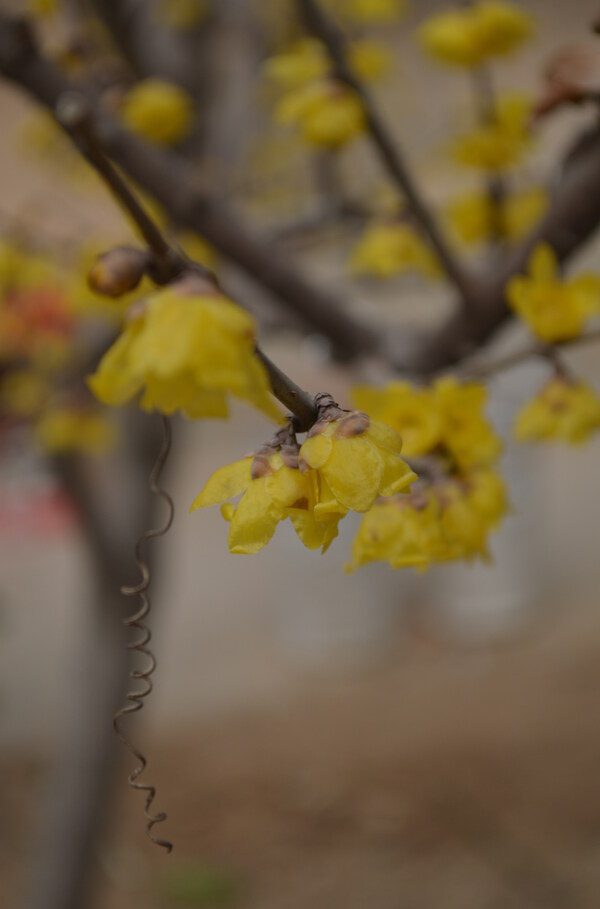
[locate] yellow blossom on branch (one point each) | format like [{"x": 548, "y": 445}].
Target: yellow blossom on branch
[
  {"x": 474, "y": 218},
  {"x": 159, "y": 111},
  {"x": 410, "y": 411},
  {"x": 556, "y": 309},
  {"x": 500, "y": 144},
  {"x": 69, "y": 429},
  {"x": 328, "y": 113},
  {"x": 448, "y": 520},
  {"x": 478, "y": 32},
  {"x": 188, "y": 348},
  {"x": 563, "y": 410},
  {"x": 392, "y": 248},
  {"x": 308, "y": 61}
]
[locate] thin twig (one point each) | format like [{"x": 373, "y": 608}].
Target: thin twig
[
  {"x": 326, "y": 30},
  {"x": 550, "y": 352}
]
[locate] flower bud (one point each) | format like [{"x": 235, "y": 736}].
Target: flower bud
[{"x": 118, "y": 271}]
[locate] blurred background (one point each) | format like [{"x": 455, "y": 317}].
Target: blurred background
[{"x": 384, "y": 738}]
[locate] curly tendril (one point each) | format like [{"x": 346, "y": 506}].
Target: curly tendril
[{"x": 137, "y": 620}]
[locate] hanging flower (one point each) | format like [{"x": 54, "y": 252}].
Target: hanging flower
[
  {"x": 478, "y": 32},
  {"x": 563, "y": 410},
  {"x": 159, "y": 111},
  {"x": 410, "y": 411},
  {"x": 65, "y": 430},
  {"x": 187, "y": 349},
  {"x": 392, "y": 248},
  {"x": 502, "y": 142},
  {"x": 474, "y": 218},
  {"x": 554, "y": 308},
  {"x": 328, "y": 113},
  {"x": 467, "y": 435}
]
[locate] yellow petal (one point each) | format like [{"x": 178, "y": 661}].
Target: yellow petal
[
  {"x": 254, "y": 521},
  {"x": 397, "y": 475},
  {"x": 314, "y": 534},
  {"x": 354, "y": 472},
  {"x": 287, "y": 486},
  {"x": 543, "y": 264},
  {"x": 225, "y": 483},
  {"x": 316, "y": 450}
]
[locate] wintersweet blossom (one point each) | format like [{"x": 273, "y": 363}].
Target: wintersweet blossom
[
  {"x": 502, "y": 142},
  {"x": 356, "y": 459},
  {"x": 391, "y": 248},
  {"x": 187, "y": 348},
  {"x": 448, "y": 520},
  {"x": 563, "y": 410},
  {"x": 478, "y": 32},
  {"x": 556, "y": 309},
  {"x": 328, "y": 113},
  {"x": 67, "y": 429},
  {"x": 447, "y": 419},
  {"x": 368, "y": 12},
  {"x": 474, "y": 218},
  {"x": 308, "y": 60},
  {"x": 159, "y": 111},
  {"x": 273, "y": 489}
]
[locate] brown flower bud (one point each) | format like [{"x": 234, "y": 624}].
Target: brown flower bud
[{"x": 118, "y": 271}]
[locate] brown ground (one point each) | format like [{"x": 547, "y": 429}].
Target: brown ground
[{"x": 448, "y": 778}]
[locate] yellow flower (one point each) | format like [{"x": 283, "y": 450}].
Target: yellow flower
[
  {"x": 60, "y": 431},
  {"x": 272, "y": 491},
  {"x": 479, "y": 32},
  {"x": 308, "y": 61},
  {"x": 188, "y": 349},
  {"x": 466, "y": 434},
  {"x": 475, "y": 219},
  {"x": 357, "y": 460},
  {"x": 501, "y": 143},
  {"x": 562, "y": 410},
  {"x": 327, "y": 113},
  {"x": 555, "y": 309},
  {"x": 158, "y": 111},
  {"x": 444, "y": 522},
  {"x": 392, "y": 248},
  {"x": 404, "y": 531},
  {"x": 410, "y": 411}
]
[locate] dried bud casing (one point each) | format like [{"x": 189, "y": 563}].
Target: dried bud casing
[{"x": 118, "y": 271}]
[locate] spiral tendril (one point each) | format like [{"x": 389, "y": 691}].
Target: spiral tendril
[{"x": 136, "y": 620}]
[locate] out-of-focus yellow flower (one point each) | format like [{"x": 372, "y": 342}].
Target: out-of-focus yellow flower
[
  {"x": 197, "y": 248},
  {"x": 555, "y": 309},
  {"x": 23, "y": 392},
  {"x": 563, "y": 410},
  {"x": 308, "y": 61},
  {"x": 467, "y": 435},
  {"x": 475, "y": 219},
  {"x": 272, "y": 491},
  {"x": 357, "y": 460},
  {"x": 479, "y": 32},
  {"x": 447, "y": 419},
  {"x": 64, "y": 430},
  {"x": 188, "y": 350},
  {"x": 182, "y": 14},
  {"x": 392, "y": 248},
  {"x": 501, "y": 143},
  {"x": 328, "y": 113},
  {"x": 159, "y": 111},
  {"x": 444, "y": 522},
  {"x": 410, "y": 411}
]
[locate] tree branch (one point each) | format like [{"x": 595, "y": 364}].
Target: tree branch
[
  {"x": 325, "y": 29},
  {"x": 171, "y": 179}
]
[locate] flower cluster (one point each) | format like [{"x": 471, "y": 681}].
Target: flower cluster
[
  {"x": 475, "y": 219},
  {"x": 345, "y": 463},
  {"x": 500, "y": 143},
  {"x": 554, "y": 308},
  {"x": 327, "y": 112},
  {"x": 392, "y": 247},
  {"x": 458, "y": 499},
  {"x": 477, "y": 33},
  {"x": 563, "y": 410},
  {"x": 187, "y": 348}
]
